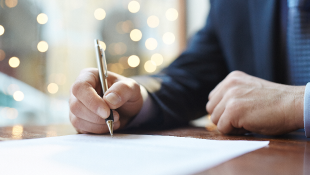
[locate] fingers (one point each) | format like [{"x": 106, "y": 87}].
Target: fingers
[
  {"x": 88, "y": 109},
  {"x": 221, "y": 101},
  {"x": 84, "y": 90},
  {"x": 84, "y": 126},
  {"x": 123, "y": 91},
  {"x": 80, "y": 110}
]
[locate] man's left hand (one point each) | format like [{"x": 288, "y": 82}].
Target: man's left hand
[{"x": 243, "y": 103}]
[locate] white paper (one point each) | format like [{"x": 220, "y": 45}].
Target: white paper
[{"x": 122, "y": 154}]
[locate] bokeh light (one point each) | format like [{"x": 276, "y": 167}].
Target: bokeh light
[
  {"x": 168, "y": 38},
  {"x": 42, "y": 46},
  {"x": 152, "y": 21},
  {"x": 52, "y": 88},
  {"x": 151, "y": 44},
  {"x": 172, "y": 14},
  {"x": 103, "y": 45},
  {"x": 157, "y": 58},
  {"x": 2, "y": 55},
  {"x": 11, "y": 3},
  {"x": 135, "y": 35},
  {"x": 14, "y": 62},
  {"x": 149, "y": 66},
  {"x": 99, "y": 14},
  {"x": 17, "y": 131},
  {"x": 133, "y": 6},
  {"x": 133, "y": 61},
  {"x": 18, "y": 96},
  {"x": 127, "y": 26},
  {"x": 120, "y": 48},
  {"x": 2, "y": 30},
  {"x": 42, "y": 18},
  {"x": 116, "y": 68}
]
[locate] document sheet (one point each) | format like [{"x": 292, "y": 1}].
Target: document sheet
[{"x": 121, "y": 154}]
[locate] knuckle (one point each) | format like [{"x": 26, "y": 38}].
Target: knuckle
[
  {"x": 125, "y": 86},
  {"x": 235, "y": 73},
  {"x": 88, "y": 70},
  {"x": 77, "y": 86},
  {"x": 234, "y": 106},
  {"x": 136, "y": 86},
  {"x": 233, "y": 81},
  {"x": 91, "y": 103},
  {"x": 233, "y": 92},
  {"x": 74, "y": 106}
]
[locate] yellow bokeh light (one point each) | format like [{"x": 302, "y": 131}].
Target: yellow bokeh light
[
  {"x": 153, "y": 21},
  {"x": 133, "y": 61},
  {"x": 2, "y": 30},
  {"x": 52, "y": 88},
  {"x": 103, "y": 45},
  {"x": 18, "y": 96},
  {"x": 135, "y": 35},
  {"x": 11, "y": 3},
  {"x": 14, "y": 62},
  {"x": 99, "y": 14},
  {"x": 42, "y": 46},
  {"x": 42, "y": 18},
  {"x": 133, "y": 6},
  {"x": 17, "y": 131},
  {"x": 149, "y": 66},
  {"x": 168, "y": 38},
  {"x": 151, "y": 44},
  {"x": 172, "y": 14},
  {"x": 2, "y": 55},
  {"x": 157, "y": 58},
  {"x": 117, "y": 68}
]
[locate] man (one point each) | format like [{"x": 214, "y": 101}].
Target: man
[{"x": 260, "y": 38}]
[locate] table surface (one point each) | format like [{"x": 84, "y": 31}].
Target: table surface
[{"x": 287, "y": 154}]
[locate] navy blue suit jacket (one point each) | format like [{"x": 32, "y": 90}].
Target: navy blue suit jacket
[{"x": 238, "y": 35}]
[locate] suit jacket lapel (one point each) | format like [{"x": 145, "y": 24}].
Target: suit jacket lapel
[{"x": 263, "y": 25}]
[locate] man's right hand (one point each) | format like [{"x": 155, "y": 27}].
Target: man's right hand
[{"x": 88, "y": 110}]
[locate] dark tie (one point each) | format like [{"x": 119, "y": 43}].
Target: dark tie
[{"x": 298, "y": 41}]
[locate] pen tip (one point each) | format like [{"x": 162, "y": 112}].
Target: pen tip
[{"x": 110, "y": 126}]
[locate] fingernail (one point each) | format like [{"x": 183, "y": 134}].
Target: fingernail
[
  {"x": 102, "y": 113},
  {"x": 113, "y": 98}
]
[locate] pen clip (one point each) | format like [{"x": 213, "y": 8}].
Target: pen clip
[{"x": 104, "y": 62}]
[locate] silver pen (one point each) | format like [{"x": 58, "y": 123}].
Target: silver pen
[{"x": 103, "y": 75}]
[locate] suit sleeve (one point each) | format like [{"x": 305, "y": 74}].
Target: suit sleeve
[{"x": 180, "y": 91}]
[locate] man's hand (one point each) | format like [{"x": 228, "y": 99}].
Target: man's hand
[
  {"x": 88, "y": 109},
  {"x": 242, "y": 103}
]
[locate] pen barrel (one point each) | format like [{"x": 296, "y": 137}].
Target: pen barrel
[{"x": 111, "y": 116}]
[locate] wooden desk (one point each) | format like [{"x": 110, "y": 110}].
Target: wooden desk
[{"x": 289, "y": 154}]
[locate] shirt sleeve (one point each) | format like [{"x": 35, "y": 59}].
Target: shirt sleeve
[{"x": 307, "y": 110}]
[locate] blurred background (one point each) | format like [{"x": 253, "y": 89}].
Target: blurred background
[{"x": 45, "y": 44}]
